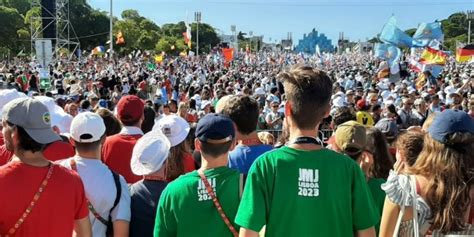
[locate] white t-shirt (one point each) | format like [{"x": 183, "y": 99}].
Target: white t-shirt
[{"x": 101, "y": 192}]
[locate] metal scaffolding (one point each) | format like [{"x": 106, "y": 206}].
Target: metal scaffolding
[{"x": 66, "y": 36}]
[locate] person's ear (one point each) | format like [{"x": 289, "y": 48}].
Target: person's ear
[
  {"x": 327, "y": 110},
  {"x": 56, "y": 129},
  {"x": 197, "y": 145},
  {"x": 288, "y": 109}
]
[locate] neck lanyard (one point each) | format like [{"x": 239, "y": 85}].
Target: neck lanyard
[
  {"x": 251, "y": 142},
  {"x": 306, "y": 140},
  {"x": 154, "y": 178},
  {"x": 211, "y": 193}
]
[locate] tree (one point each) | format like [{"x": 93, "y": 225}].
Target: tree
[
  {"x": 21, "y": 5},
  {"x": 11, "y": 22},
  {"x": 170, "y": 45},
  {"x": 207, "y": 37}
]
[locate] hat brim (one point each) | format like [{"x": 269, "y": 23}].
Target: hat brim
[
  {"x": 175, "y": 140},
  {"x": 43, "y": 136},
  {"x": 139, "y": 169}
]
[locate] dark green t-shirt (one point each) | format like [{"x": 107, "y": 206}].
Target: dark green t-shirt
[
  {"x": 378, "y": 196},
  {"x": 186, "y": 209},
  {"x": 306, "y": 193}
]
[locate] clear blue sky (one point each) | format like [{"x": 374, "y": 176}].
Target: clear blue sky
[{"x": 358, "y": 19}]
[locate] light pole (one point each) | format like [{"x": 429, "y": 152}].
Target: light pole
[
  {"x": 111, "y": 31},
  {"x": 469, "y": 16},
  {"x": 197, "y": 19},
  {"x": 234, "y": 37},
  {"x": 250, "y": 35}
]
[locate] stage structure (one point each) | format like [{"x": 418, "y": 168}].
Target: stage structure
[{"x": 54, "y": 26}]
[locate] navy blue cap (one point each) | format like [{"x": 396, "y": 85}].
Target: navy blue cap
[
  {"x": 215, "y": 128},
  {"x": 449, "y": 122}
]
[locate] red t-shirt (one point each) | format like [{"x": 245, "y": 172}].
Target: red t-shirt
[
  {"x": 62, "y": 202},
  {"x": 59, "y": 151},
  {"x": 1, "y": 138},
  {"x": 5, "y": 155},
  {"x": 117, "y": 153},
  {"x": 188, "y": 164},
  {"x": 55, "y": 151}
]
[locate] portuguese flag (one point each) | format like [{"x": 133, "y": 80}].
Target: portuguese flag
[{"x": 465, "y": 53}]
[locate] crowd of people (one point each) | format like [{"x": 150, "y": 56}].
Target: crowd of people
[{"x": 272, "y": 144}]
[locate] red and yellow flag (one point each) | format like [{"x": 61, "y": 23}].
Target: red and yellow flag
[
  {"x": 433, "y": 56},
  {"x": 465, "y": 53},
  {"x": 120, "y": 40}
]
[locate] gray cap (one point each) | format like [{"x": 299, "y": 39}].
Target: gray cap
[
  {"x": 388, "y": 127},
  {"x": 33, "y": 116}
]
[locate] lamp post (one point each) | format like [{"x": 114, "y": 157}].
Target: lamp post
[
  {"x": 251, "y": 39},
  {"x": 111, "y": 43},
  {"x": 197, "y": 19},
  {"x": 234, "y": 37},
  {"x": 469, "y": 16}
]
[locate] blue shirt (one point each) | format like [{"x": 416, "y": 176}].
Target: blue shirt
[{"x": 242, "y": 157}]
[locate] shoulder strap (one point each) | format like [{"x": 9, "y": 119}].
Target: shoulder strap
[
  {"x": 416, "y": 229},
  {"x": 118, "y": 186},
  {"x": 400, "y": 214},
  {"x": 218, "y": 206},
  {"x": 89, "y": 204}
]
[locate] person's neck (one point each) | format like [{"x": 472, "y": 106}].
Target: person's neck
[
  {"x": 248, "y": 138},
  {"x": 92, "y": 155},
  {"x": 297, "y": 132},
  {"x": 31, "y": 158},
  {"x": 211, "y": 163}
]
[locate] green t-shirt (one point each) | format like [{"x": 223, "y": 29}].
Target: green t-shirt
[
  {"x": 378, "y": 196},
  {"x": 186, "y": 209},
  {"x": 306, "y": 193}
]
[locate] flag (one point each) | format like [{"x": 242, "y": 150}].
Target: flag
[
  {"x": 159, "y": 58},
  {"x": 151, "y": 66},
  {"x": 187, "y": 35},
  {"x": 389, "y": 53},
  {"x": 431, "y": 31},
  {"x": 318, "y": 51},
  {"x": 465, "y": 53},
  {"x": 415, "y": 65},
  {"x": 120, "y": 39},
  {"x": 183, "y": 54},
  {"x": 433, "y": 56},
  {"x": 99, "y": 50},
  {"x": 393, "y": 35},
  {"x": 228, "y": 54}
]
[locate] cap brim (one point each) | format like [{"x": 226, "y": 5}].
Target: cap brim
[
  {"x": 43, "y": 136},
  {"x": 179, "y": 138},
  {"x": 139, "y": 169}
]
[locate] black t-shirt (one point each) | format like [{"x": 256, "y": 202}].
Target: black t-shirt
[{"x": 144, "y": 201}]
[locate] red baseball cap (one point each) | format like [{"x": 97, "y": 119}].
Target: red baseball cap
[
  {"x": 361, "y": 103},
  {"x": 130, "y": 108}
]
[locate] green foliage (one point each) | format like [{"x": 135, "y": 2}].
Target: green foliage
[
  {"x": 170, "y": 45},
  {"x": 11, "y": 23},
  {"x": 207, "y": 37}
]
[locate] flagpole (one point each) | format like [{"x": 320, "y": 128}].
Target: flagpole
[{"x": 111, "y": 43}]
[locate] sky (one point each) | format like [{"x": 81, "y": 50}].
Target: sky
[{"x": 358, "y": 19}]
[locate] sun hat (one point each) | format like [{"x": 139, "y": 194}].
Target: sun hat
[
  {"x": 175, "y": 128},
  {"x": 87, "y": 127},
  {"x": 33, "y": 116},
  {"x": 150, "y": 153}
]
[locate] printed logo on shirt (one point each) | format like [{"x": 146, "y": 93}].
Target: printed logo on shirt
[
  {"x": 203, "y": 195},
  {"x": 308, "y": 183}
]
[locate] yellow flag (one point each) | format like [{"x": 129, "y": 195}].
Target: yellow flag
[{"x": 159, "y": 58}]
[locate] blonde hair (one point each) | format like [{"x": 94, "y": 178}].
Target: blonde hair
[
  {"x": 450, "y": 172},
  {"x": 266, "y": 138}
]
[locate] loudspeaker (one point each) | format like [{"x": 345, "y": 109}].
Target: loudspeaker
[{"x": 48, "y": 12}]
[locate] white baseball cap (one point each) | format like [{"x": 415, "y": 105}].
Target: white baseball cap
[
  {"x": 175, "y": 128},
  {"x": 8, "y": 95},
  {"x": 87, "y": 127},
  {"x": 150, "y": 153}
]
